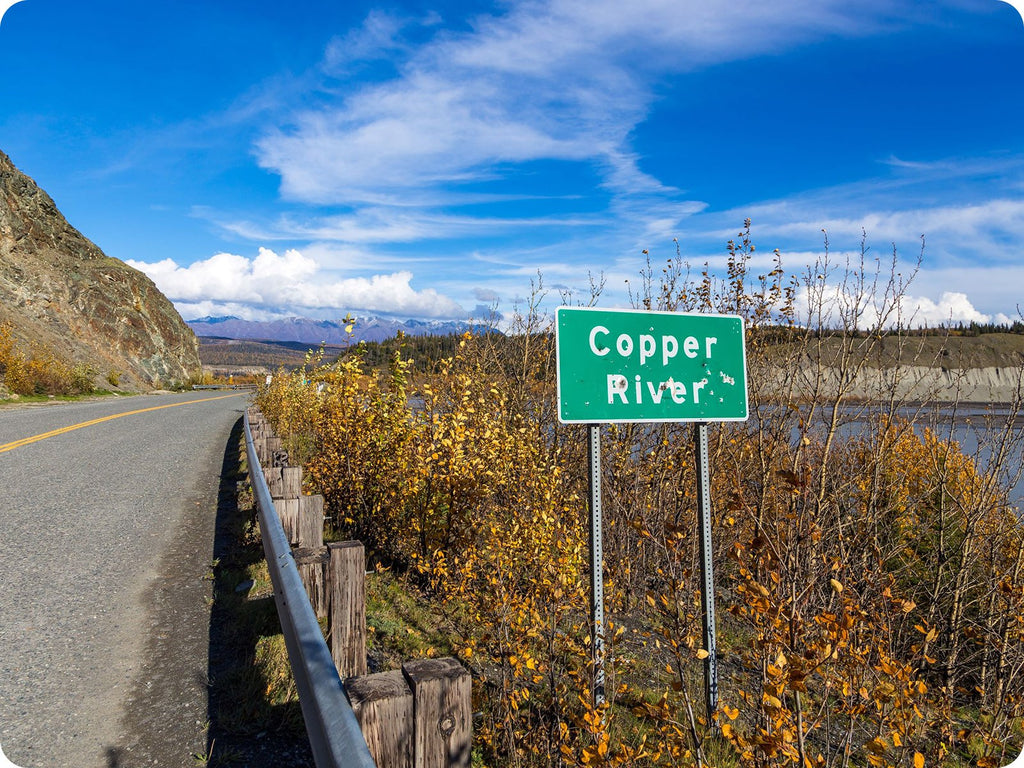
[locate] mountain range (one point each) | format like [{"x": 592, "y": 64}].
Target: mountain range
[{"x": 309, "y": 331}]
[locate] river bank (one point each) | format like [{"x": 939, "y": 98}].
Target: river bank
[{"x": 908, "y": 382}]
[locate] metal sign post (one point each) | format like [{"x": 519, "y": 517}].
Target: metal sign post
[
  {"x": 707, "y": 593},
  {"x": 619, "y": 366},
  {"x": 596, "y": 563}
]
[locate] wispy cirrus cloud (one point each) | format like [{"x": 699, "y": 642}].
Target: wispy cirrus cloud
[
  {"x": 453, "y": 118},
  {"x": 556, "y": 80},
  {"x": 961, "y": 207},
  {"x": 377, "y": 224}
]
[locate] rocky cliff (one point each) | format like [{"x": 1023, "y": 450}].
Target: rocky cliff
[{"x": 59, "y": 290}]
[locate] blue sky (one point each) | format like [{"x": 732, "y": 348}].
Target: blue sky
[{"x": 427, "y": 160}]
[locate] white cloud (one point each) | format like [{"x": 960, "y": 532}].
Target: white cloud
[
  {"x": 951, "y": 307},
  {"x": 840, "y": 306},
  {"x": 289, "y": 284},
  {"x": 409, "y": 135},
  {"x": 351, "y": 233}
]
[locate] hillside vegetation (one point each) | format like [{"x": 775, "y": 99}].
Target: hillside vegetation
[
  {"x": 870, "y": 575},
  {"x": 38, "y": 371}
]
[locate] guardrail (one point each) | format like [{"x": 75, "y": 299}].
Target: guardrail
[
  {"x": 420, "y": 715},
  {"x": 334, "y": 732}
]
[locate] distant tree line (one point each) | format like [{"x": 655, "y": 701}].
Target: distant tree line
[
  {"x": 977, "y": 329},
  {"x": 781, "y": 333},
  {"x": 425, "y": 351}
]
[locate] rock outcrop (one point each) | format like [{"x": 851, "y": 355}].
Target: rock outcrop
[{"x": 59, "y": 290}]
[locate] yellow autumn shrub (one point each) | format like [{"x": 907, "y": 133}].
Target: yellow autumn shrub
[
  {"x": 38, "y": 370},
  {"x": 869, "y": 574}
]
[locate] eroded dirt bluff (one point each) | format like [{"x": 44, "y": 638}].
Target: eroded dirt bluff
[{"x": 59, "y": 289}]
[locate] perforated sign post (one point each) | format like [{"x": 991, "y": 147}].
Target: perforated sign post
[{"x": 631, "y": 366}]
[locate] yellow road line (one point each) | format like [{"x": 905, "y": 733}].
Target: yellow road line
[{"x": 53, "y": 433}]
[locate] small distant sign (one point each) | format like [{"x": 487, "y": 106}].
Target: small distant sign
[{"x": 634, "y": 365}]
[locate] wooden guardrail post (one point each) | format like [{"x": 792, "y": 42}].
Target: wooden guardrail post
[
  {"x": 271, "y": 446},
  {"x": 291, "y": 482},
  {"x": 302, "y": 518},
  {"x": 284, "y": 482},
  {"x": 312, "y": 565},
  {"x": 309, "y": 531},
  {"x": 288, "y": 511},
  {"x": 443, "y": 711},
  {"x": 383, "y": 704},
  {"x": 346, "y": 584}
]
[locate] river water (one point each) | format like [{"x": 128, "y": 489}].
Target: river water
[{"x": 978, "y": 430}]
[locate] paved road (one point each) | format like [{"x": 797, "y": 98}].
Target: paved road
[{"x": 106, "y": 533}]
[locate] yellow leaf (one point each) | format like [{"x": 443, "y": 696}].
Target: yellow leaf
[
  {"x": 918, "y": 760},
  {"x": 836, "y": 585},
  {"x": 702, "y": 654}
]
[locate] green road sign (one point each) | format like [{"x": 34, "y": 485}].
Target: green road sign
[{"x": 633, "y": 365}]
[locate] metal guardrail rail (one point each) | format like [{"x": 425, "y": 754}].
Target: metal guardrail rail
[{"x": 334, "y": 733}]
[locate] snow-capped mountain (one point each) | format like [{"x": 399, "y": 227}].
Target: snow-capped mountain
[{"x": 309, "y": 331}]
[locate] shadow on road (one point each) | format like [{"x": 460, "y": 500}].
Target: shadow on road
[{"x": 245, "y": 728}]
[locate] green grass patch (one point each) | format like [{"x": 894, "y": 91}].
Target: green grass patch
[
  {"x": 401, "y": 623},
  {"x": 7, "y": 399}
]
